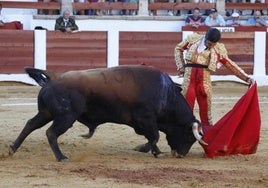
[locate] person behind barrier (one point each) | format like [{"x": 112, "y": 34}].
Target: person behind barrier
[
  {"x": 234, "y": 21},
  {"x": 257, "y": 20},
  {"x": 65, "y": 23},
  {"x": 195, "y": 20},
  {"x": 214, "y": 19}
]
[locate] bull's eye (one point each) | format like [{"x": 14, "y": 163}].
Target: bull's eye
[
  {"x": 189, "y": 135},
  {"x": 191, "y": 138}
]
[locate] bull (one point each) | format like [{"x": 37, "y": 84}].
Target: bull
[{"x": 141, "y": 97}]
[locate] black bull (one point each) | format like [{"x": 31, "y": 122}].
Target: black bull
[{"x": 138, "y": 96}]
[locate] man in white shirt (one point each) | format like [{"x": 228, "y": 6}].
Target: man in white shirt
[
  {"x": 234, "y": 21},
  {"x": 214, "y": 19}
]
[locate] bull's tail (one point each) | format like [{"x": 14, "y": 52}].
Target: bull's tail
[{"x": 42, "y": 77}]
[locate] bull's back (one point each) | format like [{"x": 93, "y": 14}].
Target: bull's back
[{"x": 124, "y": 83}]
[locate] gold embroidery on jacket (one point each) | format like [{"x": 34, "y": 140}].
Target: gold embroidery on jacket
[
  {"x": 184, "y": 45},
  {"x": 209, "y": 58}
]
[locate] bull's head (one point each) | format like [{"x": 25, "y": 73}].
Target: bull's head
[{"x": 181, "y": 145}]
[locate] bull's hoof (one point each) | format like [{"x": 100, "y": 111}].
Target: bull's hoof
[
  {"x": 12, "y": 150},
  {"x": 63, "y": 159},
  {"x": 160, "y": 155},
  {"x": 156, "y": 153},
  {"x": 86, "y": 136},
  {"x": 175, "y": 154},
  {"x": 179, "y": 156},
  {"x": 143, "y": 148}
]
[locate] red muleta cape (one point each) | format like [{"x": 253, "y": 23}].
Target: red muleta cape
[{"x": 238, "y": 131}]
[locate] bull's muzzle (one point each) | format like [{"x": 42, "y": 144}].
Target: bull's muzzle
[{"x": 197, "y": 129}]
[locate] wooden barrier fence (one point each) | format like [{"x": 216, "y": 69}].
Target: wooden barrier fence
[
  {"x": 82, "y": 50},
  {"x": 246, "y": 6},
  {"x": 54, "y": 7},
  {"x": 51, "y": 7},
  {"x": 149, "y": 48},
  {"x": 82, "y": 7},
  {"x": 17, "y": 51},
  {"x": 134, "y": 6},
  {"x": 154, "y": 7},
  {"x": 88, "y": 49}
]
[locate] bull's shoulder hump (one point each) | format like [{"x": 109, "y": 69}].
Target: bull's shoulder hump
[
  {"x": 120, "y": 74},
  {"x": 79, "y": 73}
]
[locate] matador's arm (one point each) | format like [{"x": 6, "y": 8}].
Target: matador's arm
[
  {"x": 229, "y": 64},
  {"x": 178, "y": 53},
  {"x": 181, "y": 47}
]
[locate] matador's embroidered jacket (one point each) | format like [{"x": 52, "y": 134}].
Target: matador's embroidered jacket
[{"x": 212, "y": 58}]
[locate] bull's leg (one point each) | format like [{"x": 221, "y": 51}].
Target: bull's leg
[
  {"x": 153, "y": 137},
  {"x": 143, "y": 147},
  {"x": 172, "y": 145},
  {"x": 60, "y": 125},
  {"x": 89, "y": 134},
  {"x": 147, "y": 147},
  {"x": 91, "y": 129},
  {"x": 38, "y": 121},
  {"x": 144, "y": 123}
]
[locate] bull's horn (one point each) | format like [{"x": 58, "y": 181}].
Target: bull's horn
[
  {"x": 195, "y": 129},
  {"x": 200, "y": 130}
]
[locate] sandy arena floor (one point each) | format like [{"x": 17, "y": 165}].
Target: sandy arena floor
[{"x": 107, "y": 159}]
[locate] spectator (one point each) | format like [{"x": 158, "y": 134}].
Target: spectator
[
  {"x": 133, "y": 12},
  {"x": 257, "y": 20},
  {"x": 45, "y": 11},
  {"x": 3, "y": 19},
  {"x": 124, "y": 12},
  {"x": 76, "y": 11},
  {"x": 195, "y": 20},
  {"x": 100, "y": 12},
  {"x": 234, "y": 21},
  {"x": 91, "y": 11},
  {"x": 214, "y": 19},
  {"x": 112, "y": 11},
  {"x": 170, "y": 12},
  {"x": 66, "y": 23},
  {"x": 151, "y": 13}
]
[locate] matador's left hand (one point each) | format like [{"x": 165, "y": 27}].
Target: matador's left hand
[{"x": 251, "y": 81}]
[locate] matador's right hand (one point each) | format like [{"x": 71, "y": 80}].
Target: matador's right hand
[{"x": 181, "y": 72}]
